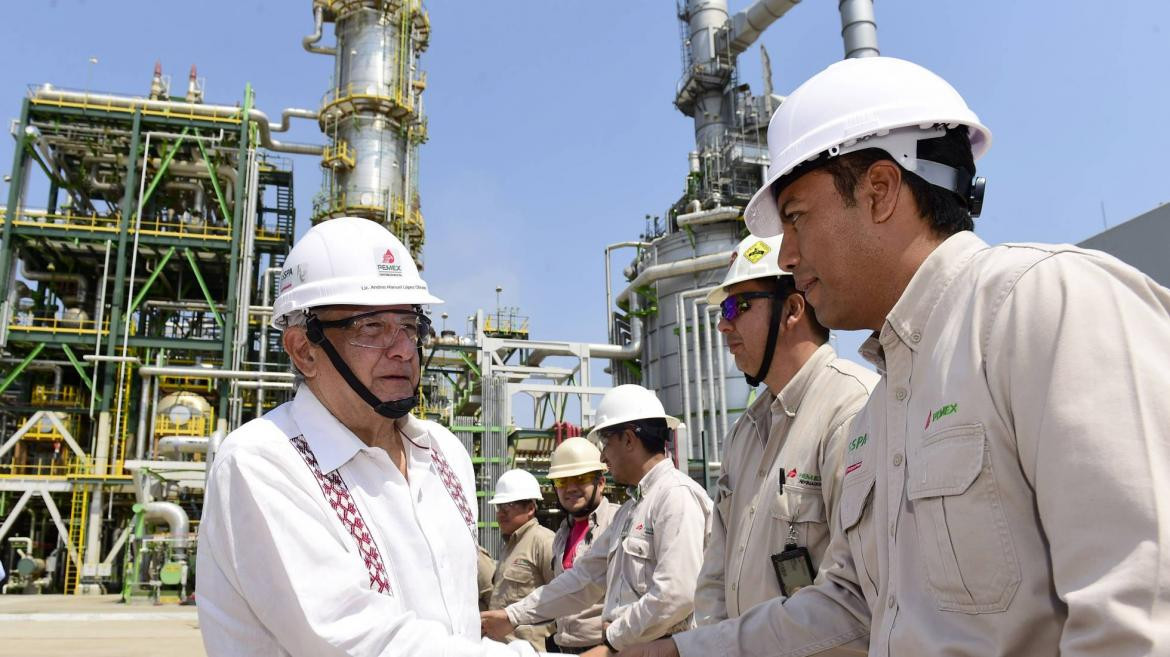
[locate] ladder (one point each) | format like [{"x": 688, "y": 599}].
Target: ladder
[{"x": 78, "y": 516}]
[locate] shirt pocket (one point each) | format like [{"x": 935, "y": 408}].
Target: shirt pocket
[
  {"x": 639, "y": 560},
  {"x": 516, "y": 581},
  {"x": 963, "y": 534},
  {"x": 799, "y": 507},
  {"x": 856, "y": 509}
]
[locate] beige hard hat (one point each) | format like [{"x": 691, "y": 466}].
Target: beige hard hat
[{"x": 575, "y": 456}]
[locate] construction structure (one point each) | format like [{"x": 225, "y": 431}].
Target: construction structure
[
  {"x": 680, "y": 257},
  {"x": 139, "y": 244}
]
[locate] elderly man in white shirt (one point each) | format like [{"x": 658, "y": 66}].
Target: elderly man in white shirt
[{"x": 338, "y": 523}]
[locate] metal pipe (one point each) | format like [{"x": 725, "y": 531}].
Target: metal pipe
[
  {"x": 260, "y": 386},
  {"x": 176, "y": 445},
  {"x": 676, "y": 268},
  {"x": 176, "y": 519},
  {"x": 858, "y": 28},
  {"x": 47, "y": 93},
  {"x": 208, "y": 373},
  {"x": 609, "y": 283},
  {"x": 722, "y": 371},
  {"x": 310, "y": 41},
  {"x": 698, "y": 351},
  {"x": 58, "y": 277},
  {"x": 713, "y": 417},
  {"x": 291, "y": 113},
  {"x": 269, "y": 275},
  {"x": 714, "y": 215},
  {"x": 747, "y": 25}
]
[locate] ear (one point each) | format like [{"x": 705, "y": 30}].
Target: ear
[
  {"x": 880, "y": 190},
  {"x": 795, "y": 305},
  {"x": 304, "y": 356}
]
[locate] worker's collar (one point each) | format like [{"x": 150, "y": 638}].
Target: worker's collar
[
  {"x": 515, "y": 536},
  {"x": 656, "y": 474},
  {"x": 908, "y": 318},
  {"x": 333, "y": 444},
  {"x": 788, "y": 401}
]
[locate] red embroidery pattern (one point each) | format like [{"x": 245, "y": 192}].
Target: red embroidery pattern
[
  {"x": 337, "y": 494},
  {"x": 454, "y": 490}
]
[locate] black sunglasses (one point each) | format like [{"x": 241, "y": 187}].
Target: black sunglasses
[{"x": 737, "y": 304}]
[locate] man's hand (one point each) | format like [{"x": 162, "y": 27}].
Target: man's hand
[
  {"x": 659, "y": 648},
  {"x": 495, "y": 624},
  {"x": 598, "y": 651}
]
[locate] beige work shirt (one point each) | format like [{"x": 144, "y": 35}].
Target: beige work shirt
[
  {"x": 645, "y": 563},
  {"x": 583, "y": 629},
  {"x": 485, "y": 572},
  {"x": 1006, "y": 488},
  {"x": 525, "y": 565},
  {"x": 779, "y": 480}
]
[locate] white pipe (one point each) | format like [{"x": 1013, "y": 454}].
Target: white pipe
[
  {"x": 265, "y": 385},
  {"x": 747, "y": 25},
  {"x": 609, "y": 283},
  {"x": 722, "y": 369},
  {"x": 291, "y": 113},
  {"x": 676, "y": 268},
  {"x": 713, "y": 417},
  {"x": 208, "y": 373},
  {"x": 698, "y": 351},
  {"x": 175, "y": 517},
  {"x": 858, "y": 28},
  {"x": 681, "y": 320},
  {"x": 310, "y": 42},
  {"x": 714, "y": 215},
  {"x": 49, "y": 94},
  {"x": 175, "y": 445}
]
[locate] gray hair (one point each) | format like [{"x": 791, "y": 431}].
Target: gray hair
[{"x": 295, "y": 319}]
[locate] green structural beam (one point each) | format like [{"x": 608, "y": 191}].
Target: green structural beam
[
  {"x": 44, "y": 167},
  {"x": 150, "y": 281},
  {"x": 20, "y": 368},
  {"x": 223, "y": 208},
  {"x": 470, "y": 362},
  {"x": 162, "y": 169},
  {"x": 203, "y": 285},
  {"x": 80, "y": 370}
]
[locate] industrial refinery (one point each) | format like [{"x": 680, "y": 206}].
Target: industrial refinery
[{"x": 143, "y": 236}]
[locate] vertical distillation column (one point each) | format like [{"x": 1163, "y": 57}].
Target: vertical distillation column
[{"x": 373, "y": 116}]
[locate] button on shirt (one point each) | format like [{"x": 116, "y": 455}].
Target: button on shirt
[
  {"x": 782, "y": 460},
  {"x": 645, "y": 564},
  {"x": 582, "y": 629},
  {"x": 1005, "y": 488},
  {"x": 525, "y": 565},
  {"x": 279, "y": 574}
]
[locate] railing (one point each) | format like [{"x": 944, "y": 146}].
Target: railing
[
  {"x": 45, "y": 396},
  {"x": 129, "y": 105},
  {"x": 59, "y": 325},
  {"x": 148, "y": 226},
  {"x": 196, "y": 426}
]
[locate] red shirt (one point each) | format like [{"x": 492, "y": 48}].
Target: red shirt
[{"x": 576, "y": 533}]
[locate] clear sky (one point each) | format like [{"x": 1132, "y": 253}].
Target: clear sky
[{"x": 552, "y": 132}]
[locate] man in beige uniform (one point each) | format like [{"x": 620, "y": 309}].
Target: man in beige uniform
[
  {"x": 526, "y": 562},
  {"x": 647, "y": 561},
  {"x": 779, "y": 480},
  {"x": 578, "y": 475},
  {"x": 1005, "y": 489}
]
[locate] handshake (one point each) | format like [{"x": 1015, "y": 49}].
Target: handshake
[{"x": 496, "y": 625}]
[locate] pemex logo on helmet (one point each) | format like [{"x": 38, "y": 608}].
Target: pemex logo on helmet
[{"x": 387, "y": 267}]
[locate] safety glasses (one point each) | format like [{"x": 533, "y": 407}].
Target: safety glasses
[
  {"x": 737, "y": 304},
  {"x": 382, "y": 329},
  {"x": 579, "y": 480}
]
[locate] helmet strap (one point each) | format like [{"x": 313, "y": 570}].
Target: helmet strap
[
  {"x": 770, "y": 345},
  {"x": 393, "y": 409}
]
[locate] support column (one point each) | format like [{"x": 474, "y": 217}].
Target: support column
[
  {"x": 126, "y": 211},
  {"x": 230, "y": 315},
  {"x": 15, "y": 188}
]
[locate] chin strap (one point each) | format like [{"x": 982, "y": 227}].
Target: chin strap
[
  {"x": 770, "y": 347},
  {"x": 393, "y": 409}
]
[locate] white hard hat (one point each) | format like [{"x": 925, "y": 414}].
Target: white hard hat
[
  {"x": 854, "y": 104},
  {"x": 516, "y": 485},
  {"x": 627, "y": 403},
  {"x": 755, "y": 257},
  {"x": 348, "y": 261},
  {"x": 575, "y": 456}
]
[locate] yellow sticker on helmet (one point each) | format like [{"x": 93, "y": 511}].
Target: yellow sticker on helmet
[{"x": 756, "y": 251}]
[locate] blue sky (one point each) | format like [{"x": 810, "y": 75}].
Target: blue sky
[{"x": 552, "y": 131}]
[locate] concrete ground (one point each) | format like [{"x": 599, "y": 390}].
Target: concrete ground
[{"x": 95, "y": 626}]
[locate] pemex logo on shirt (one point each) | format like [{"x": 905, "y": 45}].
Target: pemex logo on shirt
[{"x": 934, "y": 416}]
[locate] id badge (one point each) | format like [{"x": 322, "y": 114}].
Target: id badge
[{"x": 794, "y": 569}]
